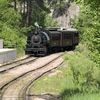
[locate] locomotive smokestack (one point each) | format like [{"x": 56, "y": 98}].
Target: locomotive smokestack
[{"x": 36, "y": 24}]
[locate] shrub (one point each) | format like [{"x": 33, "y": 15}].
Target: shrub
[
  {"x": 13, "y": 38},
  {"x": 84, "y": 71},
  {"x": 10, "y": 29}
]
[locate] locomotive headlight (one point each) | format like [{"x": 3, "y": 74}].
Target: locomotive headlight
[{"x": 36, "y": 39}]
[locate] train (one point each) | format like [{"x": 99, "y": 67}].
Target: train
[{"x": 43, "y": 41}]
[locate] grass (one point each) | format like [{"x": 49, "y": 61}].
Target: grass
[
  {"x": 51, "y": 83},
  {"x": 20, "y": 53},
  {"x": 61, "y": 85},
  {"x": 94, "y": 96}
]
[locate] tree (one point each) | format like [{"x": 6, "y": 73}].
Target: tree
[
  {"x": 89, "y": 25},
  {"x": 10, "y": 30}
]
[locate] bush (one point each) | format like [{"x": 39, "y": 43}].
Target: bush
[
  {"x": 10, "y": 30},
  {"x": 85, "y": 72},
  {"x": 89, "y": 25},
  {"x": 13, "y": 38}
]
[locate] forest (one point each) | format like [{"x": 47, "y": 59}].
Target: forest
[{"x": 17, "y": 18}]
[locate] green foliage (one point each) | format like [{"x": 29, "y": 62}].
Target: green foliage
[
  {"x": 50, "y": 22},
  {"x": 11, "y": 17},
  {"x": 10, "y": 30},
  {"x": 85, "y": 71},
  {"x": 89, "y": 26},
  {"x": 12, "y": 38},
  {"x": 94, "y": 96}
]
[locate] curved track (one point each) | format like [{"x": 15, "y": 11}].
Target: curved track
[{"x": 12, "y": 90}]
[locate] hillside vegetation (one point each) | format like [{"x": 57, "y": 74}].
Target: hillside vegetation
[{"x": 88, "y": 24}]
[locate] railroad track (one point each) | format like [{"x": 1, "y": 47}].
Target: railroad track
[
  {"x": 9, "y": 90},
  {"x": 17, "y": 63},
  {"x": 24, "y": 94}
]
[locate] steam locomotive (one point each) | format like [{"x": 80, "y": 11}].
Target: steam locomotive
[{"x": 42, "y": 41}]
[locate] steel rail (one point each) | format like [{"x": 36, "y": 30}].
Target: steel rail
[
  {"x": 15, "y": 64},
  {"x": 18, "y": 76}
]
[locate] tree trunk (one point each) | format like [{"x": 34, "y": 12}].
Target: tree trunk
[
  {"x": 29, "y": 12},
  {"x": 15, "y": 4}
]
